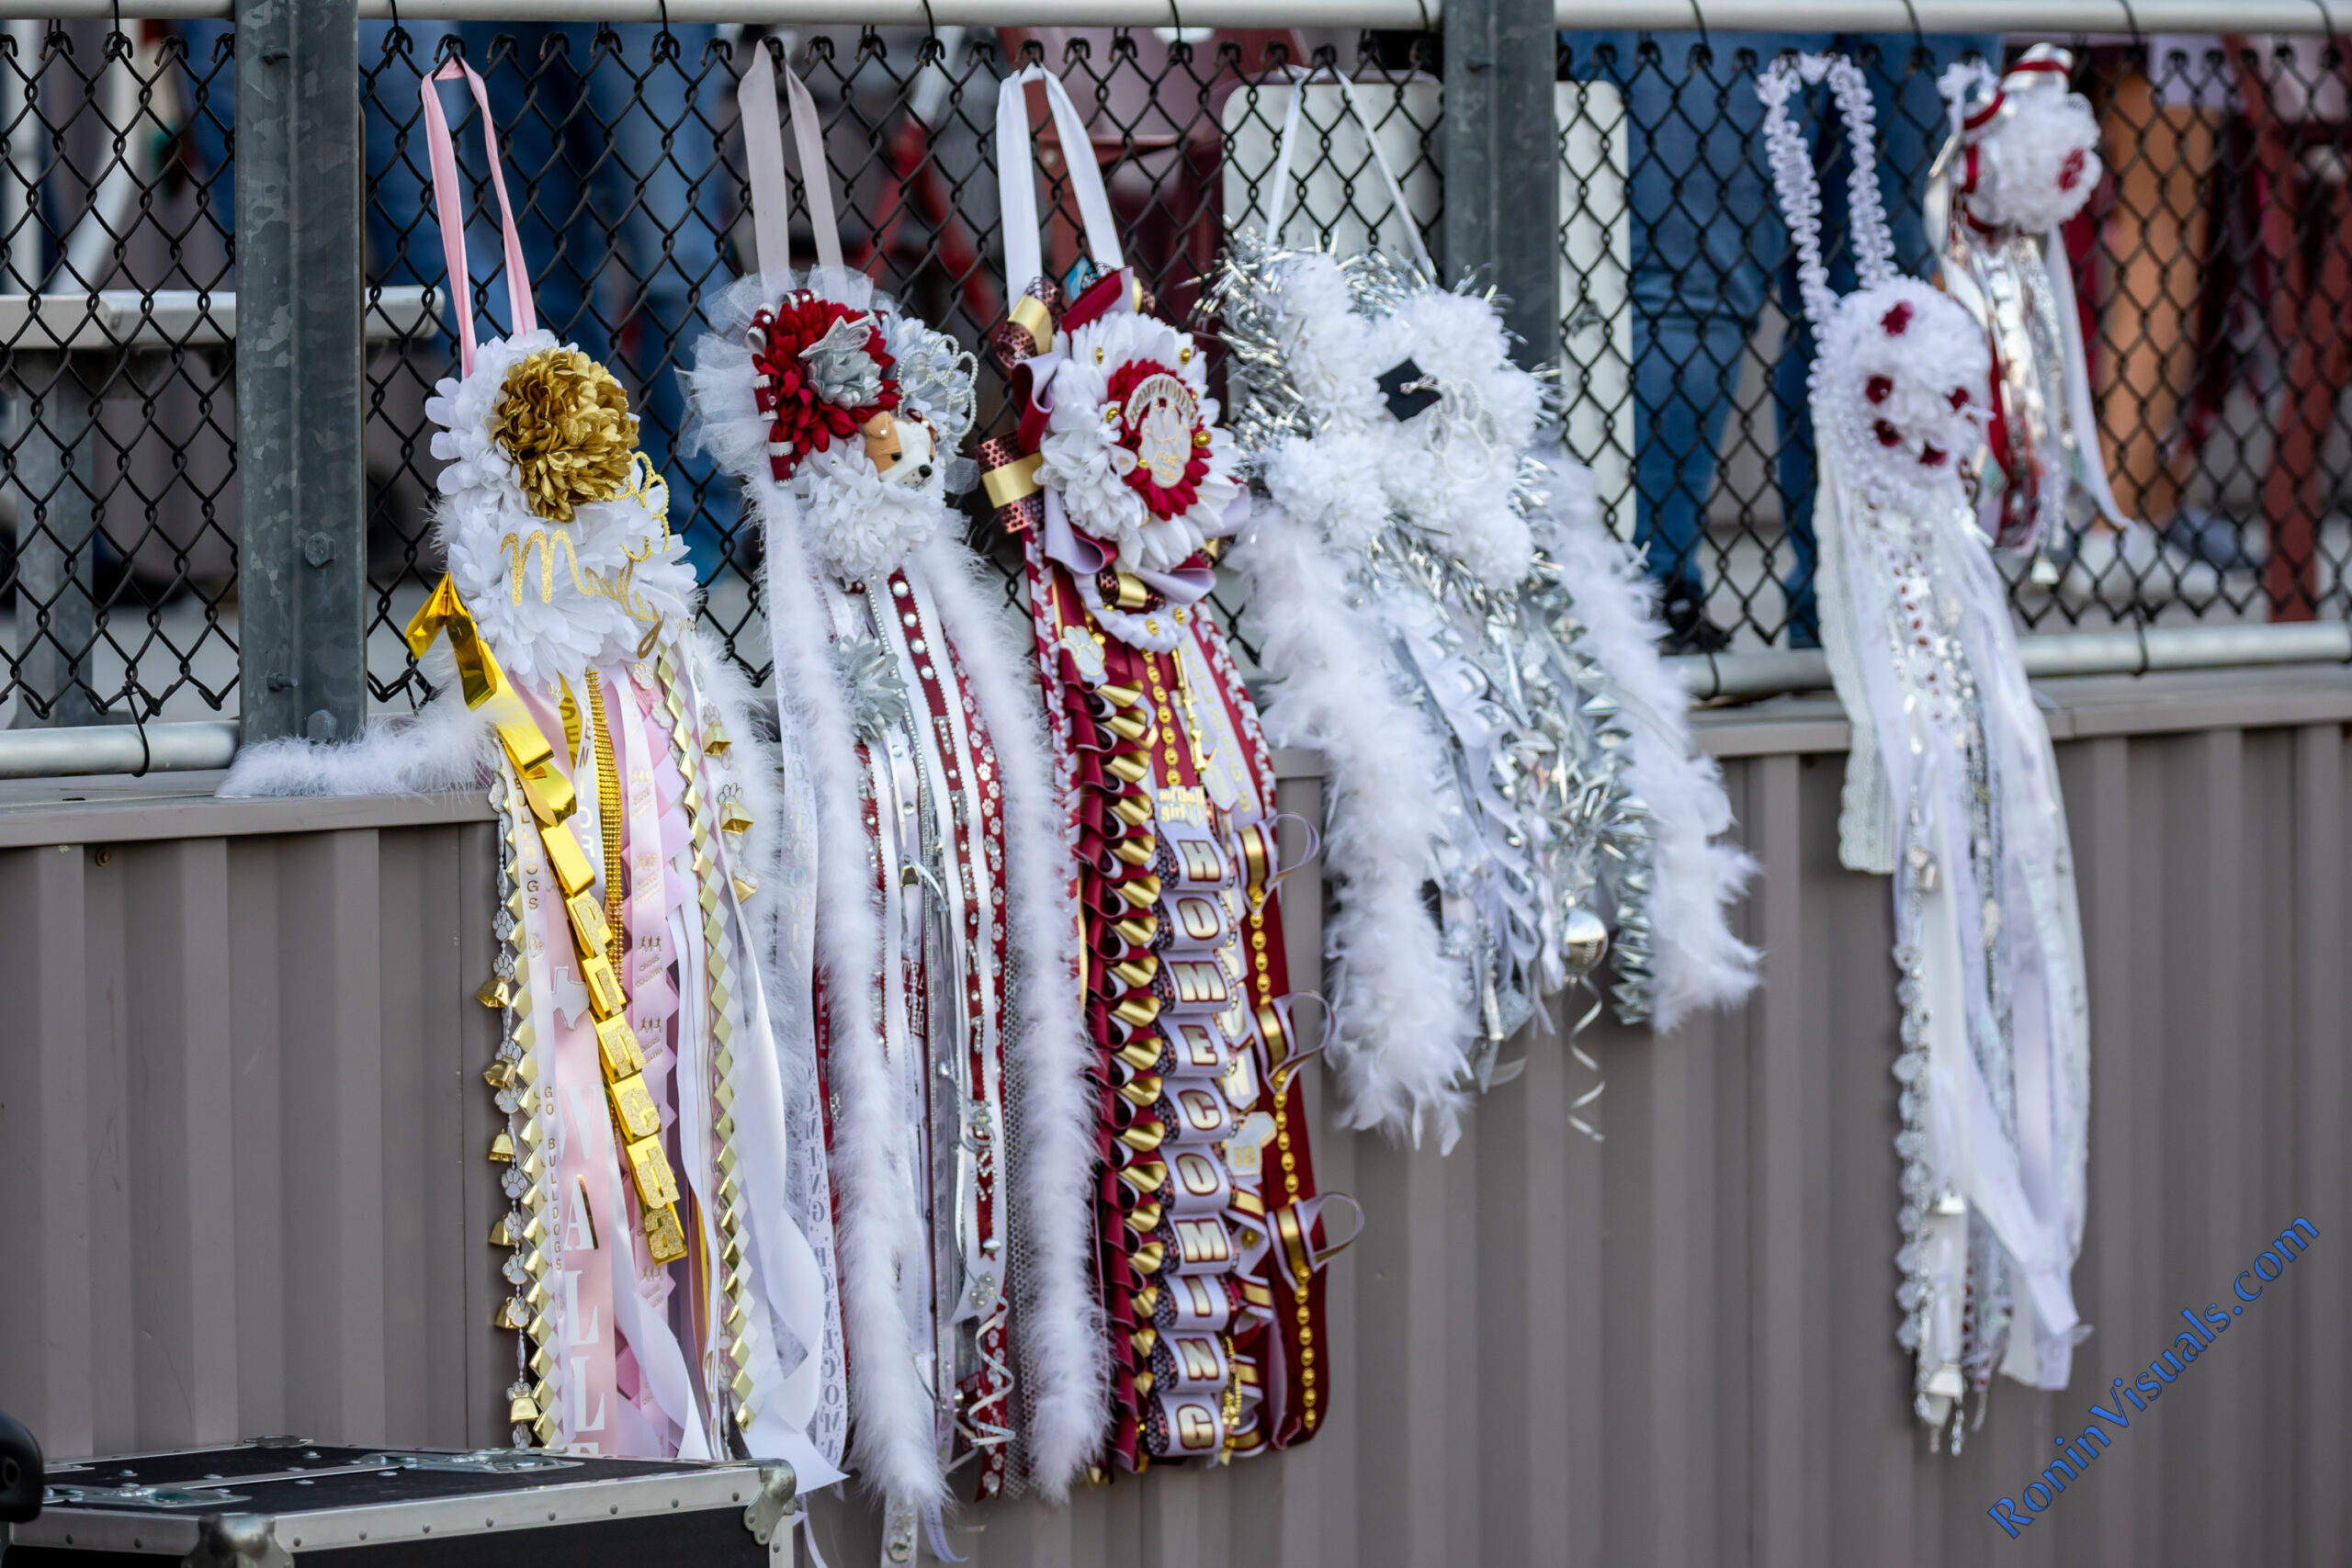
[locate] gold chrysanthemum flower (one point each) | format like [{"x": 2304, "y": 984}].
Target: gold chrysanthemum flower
[{"x": 566, "y": 422}]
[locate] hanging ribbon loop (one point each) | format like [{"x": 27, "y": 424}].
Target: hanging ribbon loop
[
  {"x": 1280, "y": 200},
  {"x": 763, "y": 160},
  {"x": 448, "y": 210},
  {"x": 1295, "y": 1224},
  {"x": 1017, "y": 180}
]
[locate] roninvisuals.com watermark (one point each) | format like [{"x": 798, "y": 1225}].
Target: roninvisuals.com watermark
[{"x": 2075, "y": 1454}]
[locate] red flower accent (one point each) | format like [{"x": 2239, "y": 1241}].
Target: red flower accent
[
  {"x": 2070, "y": 173},
  {"x": 1933, "y": 457},
  {"x": 1162, "y": 502},
  {"x": 1897, "y": 321},
  {"x": 801, "y": 422},
  {"x": 1878, "y": 389},
  {"x": 1960, "y": 398},
  {"x": 1887, "y": 434}
]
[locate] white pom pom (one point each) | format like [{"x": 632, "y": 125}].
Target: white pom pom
[
  {"x": 1332, "y": 484},
  {"x": 2038, "y": 164},
  {"x": 1901, "y": 378}
]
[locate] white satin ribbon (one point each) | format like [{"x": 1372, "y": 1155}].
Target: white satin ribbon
[
  {"x": 2090, "y": 461},
  {"x": 661, "y": 1363},
  {"x": 2019, "y": 1189},
  {"x": 790, "y": 1279},
  {"x": 763, "y": 164},
  {"x": 1017, "y": 180},
  {"x": 1280, "y": 198}
]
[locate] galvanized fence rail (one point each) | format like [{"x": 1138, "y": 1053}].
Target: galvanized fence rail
[{"x": 220, "y": 318}]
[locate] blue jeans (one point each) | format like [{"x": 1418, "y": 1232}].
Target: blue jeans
[
  {"x": 403, "y": 244},
  {"x": 1709, "y": 250},
  {"x": 398, "y": 251},
  {"x": 610, "y": 159}
]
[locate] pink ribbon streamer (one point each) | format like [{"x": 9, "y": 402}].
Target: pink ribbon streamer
[{"x": 448, "y": 213}]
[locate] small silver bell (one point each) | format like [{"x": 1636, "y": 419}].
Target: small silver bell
[{"x": 1584, "y": 941}]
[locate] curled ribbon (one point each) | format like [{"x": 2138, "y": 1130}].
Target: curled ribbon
[{"x": 1294, "y": 1224}]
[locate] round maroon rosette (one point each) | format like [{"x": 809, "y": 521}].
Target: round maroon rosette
[
  {"x": 820, "y": 372},
  {"x": 1151, "y": 406}
]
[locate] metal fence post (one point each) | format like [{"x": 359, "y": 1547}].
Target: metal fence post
[
  {"x": 302, "y": 557},
  {"x": 1502, "y": 154}
]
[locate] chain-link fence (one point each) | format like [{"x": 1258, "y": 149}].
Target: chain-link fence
[
  {"x": 115, "y": 212},
  {"x": 2215, "y": 263},
  {"x": 631, "y": 203}
]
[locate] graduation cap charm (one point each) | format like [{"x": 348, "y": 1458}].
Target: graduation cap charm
[{"x": 1408, "y": 389}]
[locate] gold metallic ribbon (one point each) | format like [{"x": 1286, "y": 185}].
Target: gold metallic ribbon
[
  {"x": 552, "y": 799},
  {"x": 1034, "y": 317},
  {"x": 1011, "y": 482},
  {"x": 1258, "y": 861}
]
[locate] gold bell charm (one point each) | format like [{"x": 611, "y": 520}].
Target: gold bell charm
[
  {"x": 523, "y": 1410},
  {"x": 732, "y": 818},
  {"x": 497, "y": 993},
  {"x": 502, "y": 1148},
  {"x": 714, "y": 739}
]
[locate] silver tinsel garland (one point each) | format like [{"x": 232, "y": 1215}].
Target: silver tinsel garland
[{"x": 1547, "y": 816}]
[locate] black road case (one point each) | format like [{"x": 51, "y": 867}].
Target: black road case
[{"x": 278, "y": 1502}]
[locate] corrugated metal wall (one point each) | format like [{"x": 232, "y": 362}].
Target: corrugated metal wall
[
  {"x": 240, "y": 1121},
  {"x": 1676, "y": 1348},
  {"x": 1673, "y": 1348}
]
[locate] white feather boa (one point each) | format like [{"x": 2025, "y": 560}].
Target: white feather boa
[
  {"x": 1064, "y": 1364},
  {"x": 1454, "y": 473},
  {"x": 1695, "y": 877},
  {"x": 880, "y": 1224},
  {"x": 1453, "y": 470},
  {"x": 837, "y": 516},
  {"x": 881, "y": 1228},
  {"x": 443, "y": 746},
  {"x": 1402, "y": 1014}
]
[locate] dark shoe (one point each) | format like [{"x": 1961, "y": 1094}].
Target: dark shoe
[{"x": 1688, "y": 630}]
